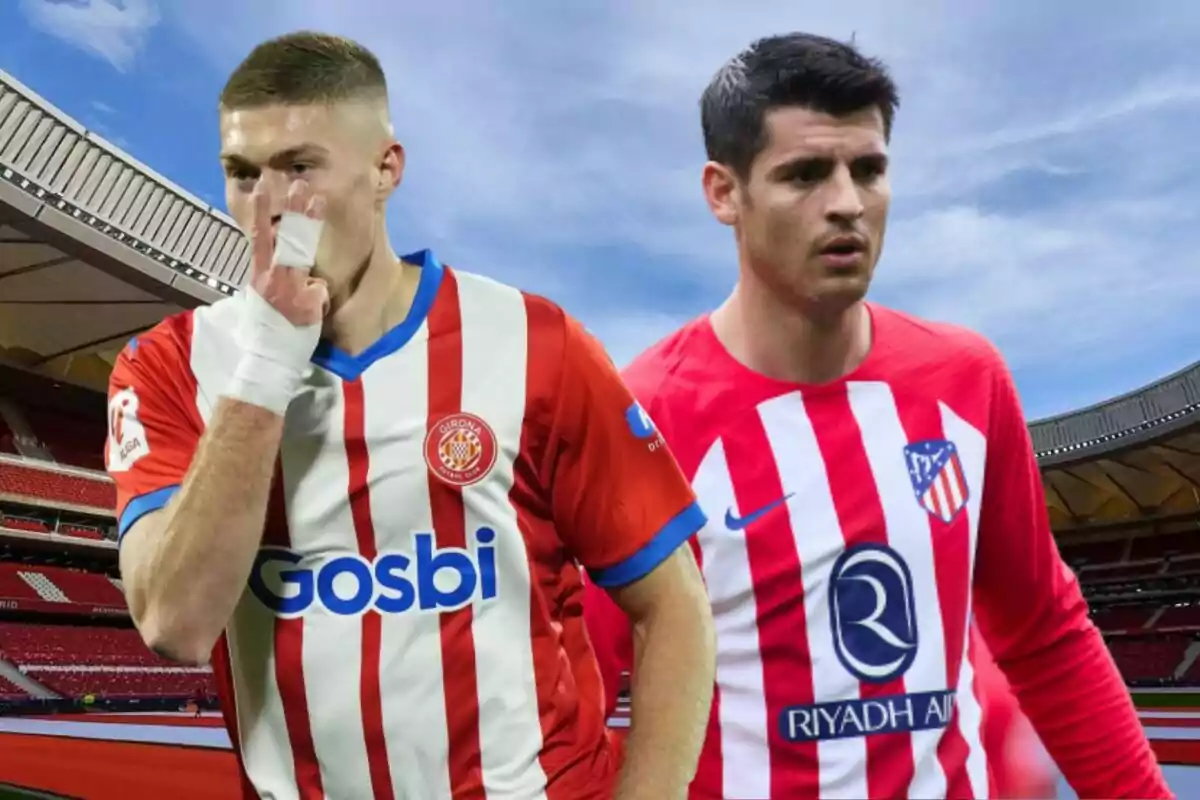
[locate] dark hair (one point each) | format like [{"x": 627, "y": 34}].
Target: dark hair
[
  {"x": 795, "y": 69},
  {"x": 305, "y": 68}
]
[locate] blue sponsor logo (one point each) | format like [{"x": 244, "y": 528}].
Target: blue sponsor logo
[
  {"x": 640, "y": 424},
  {"x": 921, "y": 711},
  {"x": 430, "y": 579},
  {"x": 872, "y": 612}
]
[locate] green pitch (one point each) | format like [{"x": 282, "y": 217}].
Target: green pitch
[
  {"x": 1146, "y": 700},
  {"x": 10, "y": 792}
]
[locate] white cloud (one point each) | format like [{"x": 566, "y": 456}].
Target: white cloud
[
  {"x": 1046, "y": 162},
  {"x": 114, "y": 30}
]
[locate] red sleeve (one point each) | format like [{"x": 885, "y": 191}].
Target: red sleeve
[
  {"x": 1033, "y": 616},
  {"x": 608, "y": 628},
  {"x": 620, "y": 502},
  {"x": 153, "y": 424}
]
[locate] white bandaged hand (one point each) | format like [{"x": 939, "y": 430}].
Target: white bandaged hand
[{"x": 275, "y": 354}]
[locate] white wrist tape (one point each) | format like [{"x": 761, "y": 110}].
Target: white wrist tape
[
  {"x": 296, "y": 241},
  {"x": 275, "y": 355}
]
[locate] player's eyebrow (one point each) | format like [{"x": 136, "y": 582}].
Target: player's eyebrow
[
  {"x": 824, "y": 164},
  {"x": 280, "y": 158}
]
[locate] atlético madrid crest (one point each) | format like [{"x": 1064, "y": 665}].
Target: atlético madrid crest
[
  {"x": 460, "y": 449},
  {"x": 937, "y": 477}
]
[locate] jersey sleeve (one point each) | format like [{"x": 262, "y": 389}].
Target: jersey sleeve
[
  {"x": 153, "y": 424},
  {"x": 1033, "y": 617},
  {"x": 619, "y": 500}
]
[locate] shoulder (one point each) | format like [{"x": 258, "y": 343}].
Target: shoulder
[
  {"x": 160, "y": 349},
  {"x": 920, "y": 344},
  {"x": 660, "y": 373},
  {"x": 503, "y": 310}
]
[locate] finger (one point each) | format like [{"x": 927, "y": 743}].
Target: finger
[
  {"x": 298, "y": 196},
  {"x": 317, "y": 293},
  {"x": 262, "y": 237},
  {"x": 316, "y": 207}
]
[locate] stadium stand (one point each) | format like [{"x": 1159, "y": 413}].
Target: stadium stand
[{"x": 43, "y": 483}]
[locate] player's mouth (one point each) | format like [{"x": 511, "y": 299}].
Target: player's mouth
[{"x": 844, "y": 252}]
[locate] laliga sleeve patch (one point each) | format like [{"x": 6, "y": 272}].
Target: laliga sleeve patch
[
  {"x": 296, "y": 241},
  {"x": 126, "y": 437}
]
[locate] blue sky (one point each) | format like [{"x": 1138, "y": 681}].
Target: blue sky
[{"x": 1047, "y": 165}]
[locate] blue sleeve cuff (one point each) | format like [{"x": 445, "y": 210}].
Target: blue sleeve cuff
[
  {"x": 677, "y": 531},
  {"x": 142, "y": 505}
]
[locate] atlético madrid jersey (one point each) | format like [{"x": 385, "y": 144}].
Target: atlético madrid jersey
[
  {"x": 412, "y": 625},
  {"x": 854, "y": 531}
]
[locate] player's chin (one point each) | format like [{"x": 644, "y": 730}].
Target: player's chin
[{"x": 839, "y": 291}]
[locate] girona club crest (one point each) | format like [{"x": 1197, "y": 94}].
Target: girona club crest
[{"x": 460, "y": 449}]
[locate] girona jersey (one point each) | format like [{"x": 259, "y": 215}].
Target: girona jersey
[
  {"x": 412, "y": 626},
  {"x": 856, "y": 529}
]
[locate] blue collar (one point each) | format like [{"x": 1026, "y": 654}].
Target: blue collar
[{"x": 349, "y": 367}]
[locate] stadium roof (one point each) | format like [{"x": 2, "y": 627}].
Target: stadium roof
[
  {"x": 1127, "y": 460},
  {"x": 95, "y": 247}
]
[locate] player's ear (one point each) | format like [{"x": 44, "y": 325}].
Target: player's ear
[
  {"x": 720, "y": 190},
  {"x": 391, "y": 171}
]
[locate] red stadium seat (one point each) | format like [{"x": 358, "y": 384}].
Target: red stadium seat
[
  {"x": 42, "y": 484},
  {"x": 86, "y": 588},
  {"x": 1122, "y": 618},
  {"x": 107, "y": 662},
  {"x": 1148, "y": 659},
  {"x": 69, "y": 439},
  {"x": 24, "y": 524},
  {"x": 10, "y": 691},
  {"x": 1180, "y": 617}
]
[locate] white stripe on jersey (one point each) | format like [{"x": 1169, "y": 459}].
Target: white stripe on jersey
[
  {"x": 396, "y": 405},
  {"x": 316, "y": 475},
  {"x": 972, "y": 452},
  {"x": 815, "y": 524},
  {"x": 510, "y": 730},
  {"x": 908, "y": 532},
  {"x": 741, "y": 707}
]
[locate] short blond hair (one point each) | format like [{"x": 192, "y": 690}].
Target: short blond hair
[{"x": 305, "y": 68}]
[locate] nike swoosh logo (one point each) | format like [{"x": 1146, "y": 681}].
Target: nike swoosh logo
[{"x": 735, "y": 523}]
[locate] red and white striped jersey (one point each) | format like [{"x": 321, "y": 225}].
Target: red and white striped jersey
[
  {"x": 855, "y": 531},
  {"x": 412, "y": 627}
]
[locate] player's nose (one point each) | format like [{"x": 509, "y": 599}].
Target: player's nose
[
  {"x": 275, "y": 187},
  {"x": 843, "y": 201}
]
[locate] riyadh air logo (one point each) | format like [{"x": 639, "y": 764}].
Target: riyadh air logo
[
  {"x": 640, "y": 424},
  {"x": 873, "y": 613},
  {"x": 642, "y": 427},
  {"x": 126, "y": 436}
]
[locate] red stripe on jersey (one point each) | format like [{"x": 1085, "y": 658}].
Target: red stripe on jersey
[
  {"x": 359, "y": 463},
  {"x": 289, "y": 663},
  {"x": 778, "y": 592},
  {"x": 856, "y": 499},
  {"x": 577, "y": 756},
  {"x": 223, "y": 676},
  {"x": 951, "y": 542},
  {"x": 449, "y": 523}
]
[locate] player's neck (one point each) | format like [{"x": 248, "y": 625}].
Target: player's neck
[
  {"x": 376, "y": 300},
  {"x": 779, "y": 340}
]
